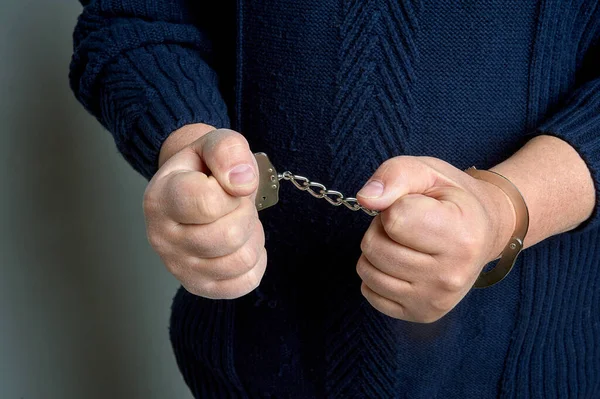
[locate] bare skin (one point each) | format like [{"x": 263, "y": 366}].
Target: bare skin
[
  {"x": 440, "y": 226},
  {"x": 437, "y": 228},
  {"x": 203, "y": 225}
]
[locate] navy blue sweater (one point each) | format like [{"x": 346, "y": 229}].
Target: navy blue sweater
[{"x": 331, "y": 89}]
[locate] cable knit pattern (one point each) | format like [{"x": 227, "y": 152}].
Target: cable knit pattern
[
  {"x": 330, "y": 89},
  {"x": 372, "y": 113},
  {"x": 557, "y": 338},
  {"x": 143, "y": 69},
  {"x": 377, "y": 53},
  {"x": 565, "y": 81},
  {"x": 204, "y": 355}
]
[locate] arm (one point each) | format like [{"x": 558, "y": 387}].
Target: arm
[
  {"x": 439, "y": 226},
  {"x": 556, "y": 185},
  {"x": 558, "y": 172},
  {"x": 145, "y": 69}
]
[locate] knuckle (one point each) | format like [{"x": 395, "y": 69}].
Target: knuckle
[
  {"x": 363, "y": 290},
  {"x": 158, "y": 241},
  {"x": 179, "y": 193},
  {"x": 361, "y": 269},
  {"x": 471, "y": 244},
  {"x": 211, "y": 290},
  {"x": 150, "y": 203},
  {"x": 453, "y": 282},
  {"x": 441, "y": 304},
  {"x": 181, "y": 186},
  {"x": 249, "y": 257},
  {"x": 200, "y": 244},
  {"x": 230, "y": 139},
  {"x": 398, "y": 315},
  {"x": 429, "y": 318},
  {"x": 219, "y": 269},
  {"x": 191, "y": 288},
  {"x": 155, "y": 240},
  {"x": 206, "y": 206},
  {"x": 253, "y": 281},
  {"x": 258, "y": 226},
  {"x": 187, "y": 195},
  {"x": 226, "y": 290},
  {"x": 233, "y": 236},
  {"x": 229, "y": 146},
  {"x": 365, "y": 244},
  {"x": 393, "y": 216}
]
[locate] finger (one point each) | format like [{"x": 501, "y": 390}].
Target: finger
[
  {"x": 392, "y": 258},
  {"x": 384, "y": 305},
  {"x": 420, "y": 222},
  {"x": 385, "y": 285},
  {"x": 397, "y": 177},
  {"x": 222, "y": 237},
  {"x": 235, "y": 264},
  {"x": 227, "y": 155},
  {"x": 223, "y": 153},
  {"x": 231, "y": 288},
  {"x": 195, "y": 198}
]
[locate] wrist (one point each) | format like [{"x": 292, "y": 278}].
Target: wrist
[
  {"x": 180, "y": 139},
  {"x": 501, "y": 216}
]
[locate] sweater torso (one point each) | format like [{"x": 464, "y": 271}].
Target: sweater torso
[{"x": 330, "y": 90}]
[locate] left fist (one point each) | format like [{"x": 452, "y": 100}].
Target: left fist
[{"x": 437, "y": 229}]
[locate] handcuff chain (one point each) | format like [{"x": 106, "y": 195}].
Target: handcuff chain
[{"x": 335, "y": 198}]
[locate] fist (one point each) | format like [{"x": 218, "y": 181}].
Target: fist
[
  {"x": 201, "y": 218},
  {"x": 437, "y": 229}
]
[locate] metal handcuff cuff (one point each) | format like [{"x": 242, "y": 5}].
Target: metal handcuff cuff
[{"x": 268, "y": 195}]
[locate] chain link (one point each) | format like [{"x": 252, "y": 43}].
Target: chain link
[{"x": 335, "y": 198}]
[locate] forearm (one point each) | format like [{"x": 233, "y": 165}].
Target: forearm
[
  {"x": 145, "y": 70},
  {"x": 556, "y": 184}
]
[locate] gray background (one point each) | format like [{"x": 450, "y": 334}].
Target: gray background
[{"x": 84, "y": 302}]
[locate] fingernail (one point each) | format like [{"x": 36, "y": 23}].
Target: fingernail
[
  {"x": 241, "y": 175},
  {"x": 373, "y": 189}
]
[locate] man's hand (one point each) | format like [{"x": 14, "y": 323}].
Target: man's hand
[
  {"x": 200, "y": 213},
  {"x": 437, "y": 229}
]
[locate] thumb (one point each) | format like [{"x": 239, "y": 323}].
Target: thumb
[
  {"x": 226, "y": 153},
  {"x": 396, "y": 178},
  {"x": 223, "y": 154}
]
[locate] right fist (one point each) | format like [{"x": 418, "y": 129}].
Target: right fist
[{"x": 201, "y": 218}]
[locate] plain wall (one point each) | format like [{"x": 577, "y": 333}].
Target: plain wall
[{"x": 84, "y": 301}]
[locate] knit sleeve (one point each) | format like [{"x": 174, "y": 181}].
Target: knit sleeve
[
  {"x": 144, "y": 69},
  {"x": 578, "y": 123}
]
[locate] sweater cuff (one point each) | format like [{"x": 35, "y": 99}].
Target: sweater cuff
[
  {"x": 149, "y": 92},
  {"x": 143, "y": 80},
  {"x": 578, "y": 123}
]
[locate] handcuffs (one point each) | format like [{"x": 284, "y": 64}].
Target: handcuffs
[{"x": 268, "y": 196}]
